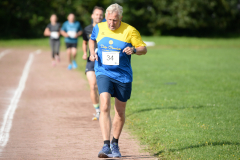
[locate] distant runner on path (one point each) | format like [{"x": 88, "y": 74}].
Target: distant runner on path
[
  {"x": 116, "y": 41},
  {"x": 53, "y": 31},
  {"x": 97, "y": 17},
  {"x": 71, "y": 30}
]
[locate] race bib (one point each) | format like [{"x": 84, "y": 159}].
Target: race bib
[
  {"x": 54, "y": 35},
  {"x": 110, "y": 58},
  {"x": 71, "y": 34}
]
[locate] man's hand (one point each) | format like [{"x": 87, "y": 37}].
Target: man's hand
[
  {"x": 93, "y": 57},
  {"x": 78, "y": 34},
  {"x": 63, "y": 33},
  {"x": 84, "y": 56},
  {"x": 128, "y": 50}
]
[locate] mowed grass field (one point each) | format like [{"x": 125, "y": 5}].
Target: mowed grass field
[{"x": 185, "y": 102}]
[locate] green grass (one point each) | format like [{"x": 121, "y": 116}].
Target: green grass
[
  {"x": 41, "y": 43},
  {"x": 185, "y": 102}
]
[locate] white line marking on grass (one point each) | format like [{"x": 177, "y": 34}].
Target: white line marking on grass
[
  {"x": 3, "y": 53},
  {"x": 8, "y": 117}
]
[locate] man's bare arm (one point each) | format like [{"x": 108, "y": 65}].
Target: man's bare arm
[
  {"x": 93, "y": 55},
  {"x": 46, "y": 32},
  {"x": 79, "y": 33},
  {"x": 84, "y": 47},
  {"x": 139, "y": 50}
]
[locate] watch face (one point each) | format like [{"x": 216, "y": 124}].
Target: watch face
[{"x": 134, "y": 50}]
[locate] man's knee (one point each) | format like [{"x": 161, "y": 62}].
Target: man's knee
[
  {"x": 68, "y": 51},
  {"x": 105, "y": 108},
  {"x": 92, "y": 81},
  {"x": 121, "y": 114},
  {"x": 93, "y": 87},
  {"x": 105, "y": 102},
  {"x": 74, "y": 51}
]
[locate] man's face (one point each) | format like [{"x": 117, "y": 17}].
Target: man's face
[
  {"x": 71, "y": 17},
  {"x": 53, "y": 18},
  {"x": 97, "y": 16},
  {"x": 113, "y": 20}
]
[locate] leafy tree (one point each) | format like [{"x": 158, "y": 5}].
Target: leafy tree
[{"x": 28, "y": 18}]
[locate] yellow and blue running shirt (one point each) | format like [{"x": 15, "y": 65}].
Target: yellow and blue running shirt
[{"x": 115, "y": 41}]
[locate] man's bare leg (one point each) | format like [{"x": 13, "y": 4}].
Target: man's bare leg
[
  {"x": 74, "y": 52},
  {"x": 119, "y": 118},
  {"x": 93, "y": 93},
  {"x": 93, "y": 86},
  {"x": 105, "y": 119},
  {"x": 69, "y": 55}
]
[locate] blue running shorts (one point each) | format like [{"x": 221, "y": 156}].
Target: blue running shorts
[{"x": 122, "y": 91}]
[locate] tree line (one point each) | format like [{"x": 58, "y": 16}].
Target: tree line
[{"x": 28, "y": 18}]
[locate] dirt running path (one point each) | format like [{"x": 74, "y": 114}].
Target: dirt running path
[{"x": 53, "y": 118}]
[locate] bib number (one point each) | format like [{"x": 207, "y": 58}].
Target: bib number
[
  {"x": 110, "y": 58},
  {"x": 54, "y": 35},
  {"x": 72, "y": 34}
]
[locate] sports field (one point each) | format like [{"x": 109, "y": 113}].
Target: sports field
[
  {"x": 185, "y": 102},
  {"x": 186, "y": 98}
]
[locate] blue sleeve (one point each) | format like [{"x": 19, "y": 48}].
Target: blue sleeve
[
  {"x": 95, "y": 33},
  {"x": 79, "y": 26},
  {"x": 64, "y": 28}
]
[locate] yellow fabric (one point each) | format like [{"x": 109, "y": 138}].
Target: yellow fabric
[{"x": 125, "y": 33}]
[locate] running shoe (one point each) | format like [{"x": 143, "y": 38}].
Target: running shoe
[
  {"x": 53, "y": 63},
  {"x": 96, "y": 116},
  {"x": 115, "y": 150},
  {"x": 69, "y": 66},
  {"x": 74, "y": 64},
  {"x": 105, "y": 152},
  {"x": 58, "y": 59}
]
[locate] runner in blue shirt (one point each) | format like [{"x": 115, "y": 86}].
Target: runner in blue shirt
[
  {"x": 116, "y": 42},
  {"x": 71, "y": 30}
]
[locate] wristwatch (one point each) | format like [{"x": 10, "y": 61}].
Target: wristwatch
[{"x": 134, "y": 50}]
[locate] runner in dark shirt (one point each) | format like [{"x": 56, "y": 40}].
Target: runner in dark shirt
[
  {"x": 53, "y": 31},
  {"x": 97, "y": 17}
]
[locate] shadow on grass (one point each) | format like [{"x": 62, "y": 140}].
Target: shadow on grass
[
  {"x": 198, "y": 146},
  {"x": 133, "y": 157},
  {"x": 160, "y": 108}
]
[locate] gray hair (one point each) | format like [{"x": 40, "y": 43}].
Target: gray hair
[{"x": 115, "y": 8}]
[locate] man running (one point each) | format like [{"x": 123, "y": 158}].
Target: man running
[
  {"x": 116, "y": 41},
  {"x": 53, "y": 31},
  {"x": 71, "y": 30},
  {"x": 97, "y": 17}
]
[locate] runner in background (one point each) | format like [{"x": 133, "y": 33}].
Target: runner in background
[
  {"x": 53, "y": 31},
  {"x": 97, "y": 17},
  {"x": 71, "y": 30}
]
